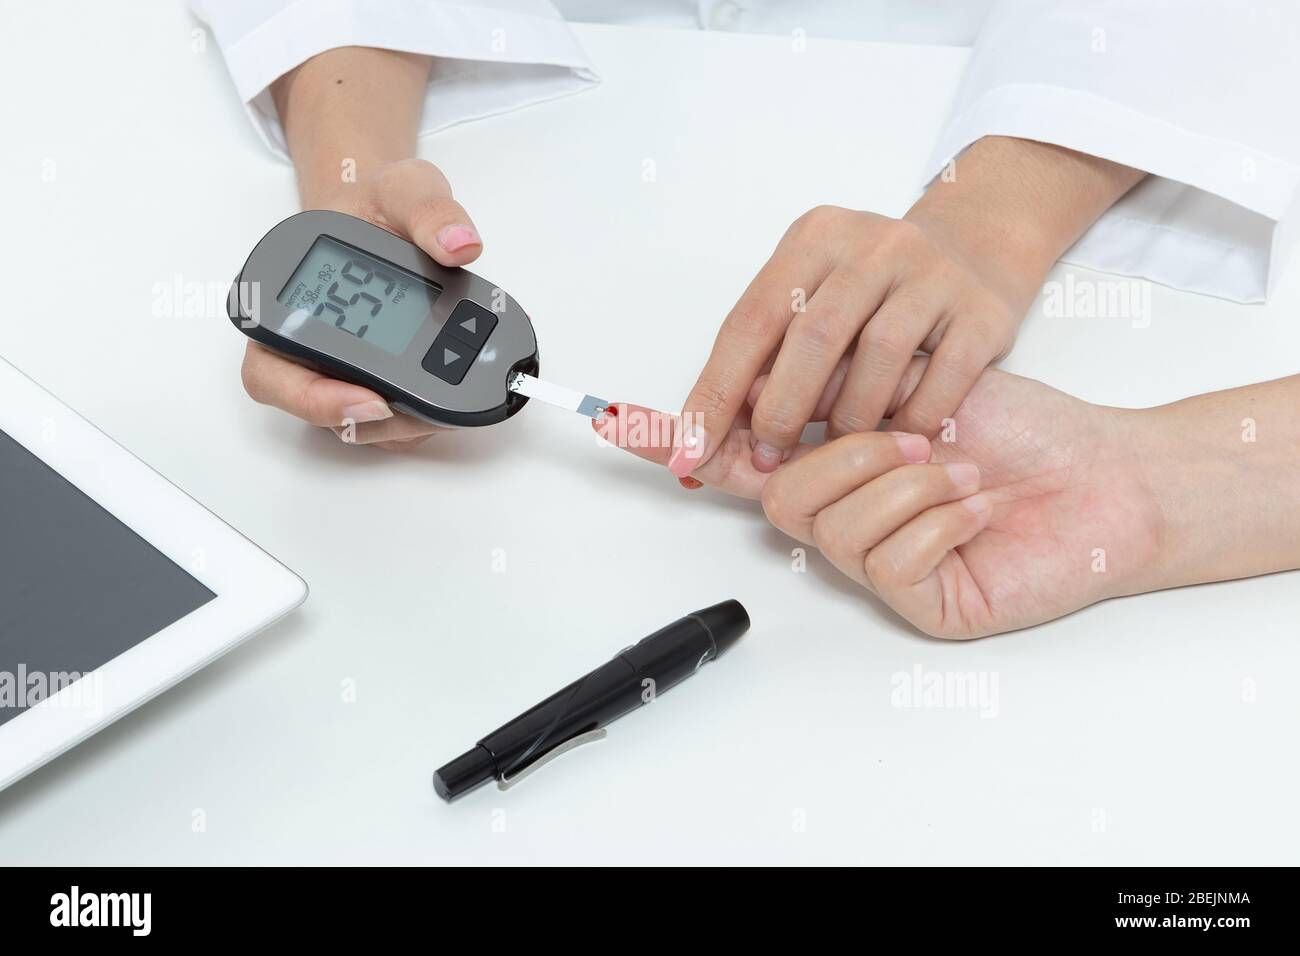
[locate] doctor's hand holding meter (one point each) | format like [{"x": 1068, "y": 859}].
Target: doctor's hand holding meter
[
  {"x": 350, "y": 117},
  {"x": 345, "y": 92}
]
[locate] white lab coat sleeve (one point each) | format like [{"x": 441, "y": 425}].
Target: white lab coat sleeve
[
  {"x": 1198, "y": 93},
  {"x": 497, "y": 55}
]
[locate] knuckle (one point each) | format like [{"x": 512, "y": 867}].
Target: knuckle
[
  {"x": 957, "y": 361},
  {"x": 843, "y": 421},
  {"x": 992, "y": 334},
  {"x": 306, "y": 404},
  {"x": 820, "y": 219},
  {"x": 886, "y": 341},
  {"x": 900, "y": 236},
  {"x": 750, "y": 321},
  {"x": 912, "y": 299},
  {"x": 777, "y": 423},
  {"x": 915, "y": 417},
  {"x": 430, "y": 212},
  {"x": 818, "y": 333},
  {"x": 919, "y": 420},
  {"x": 977, "y": 329},
  {"x": 880, "y": 571},
  {"x": 828, "y": 534},
  {"x": 973, "y": 321},
  {"x": 709, "y": 395},
  {"x": 776, "y": 503},
  {"x": 863, "y": 266}
]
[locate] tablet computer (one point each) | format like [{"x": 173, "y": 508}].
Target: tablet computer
[{"x": 114, "y": 584}]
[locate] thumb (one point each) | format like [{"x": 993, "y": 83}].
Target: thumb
[{"x": 415, "y": 198}]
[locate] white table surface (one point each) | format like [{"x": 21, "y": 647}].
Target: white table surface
[{"x": 1124, "y": 733}]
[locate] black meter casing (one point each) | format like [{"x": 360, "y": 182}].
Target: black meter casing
[{"x": 436, "y": 342}]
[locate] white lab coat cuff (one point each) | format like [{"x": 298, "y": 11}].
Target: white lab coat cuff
[
  {"x": 494, "y": 60},
  {"x": 1211, "y": 219}
]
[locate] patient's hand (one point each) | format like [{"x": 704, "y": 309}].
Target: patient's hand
[
  {"x": 1035, "y": 508},
  {"x": 1073, "y": 502},
  {"x": 1062, "y": 516}
]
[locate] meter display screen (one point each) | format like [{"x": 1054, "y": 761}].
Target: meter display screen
[{"x": 368, "y": 298}]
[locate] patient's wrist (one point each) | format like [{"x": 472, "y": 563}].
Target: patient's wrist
[{"x": 1223, "y": 470}]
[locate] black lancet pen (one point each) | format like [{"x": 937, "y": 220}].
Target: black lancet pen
[{"x": 580, "y": 711}]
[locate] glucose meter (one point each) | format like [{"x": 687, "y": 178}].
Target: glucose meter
[{"x": 357, "y": 303}]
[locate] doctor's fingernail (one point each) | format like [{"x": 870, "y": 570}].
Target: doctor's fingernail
[
  {"x": 686, "y": 456},
  {"x": 765, "y": 457},
  {"x": 977, "y": 503},
  {"x": 366, "y": 412},
  {"x": 456, "y": 237},
  {"x": 915, "y": 448}
]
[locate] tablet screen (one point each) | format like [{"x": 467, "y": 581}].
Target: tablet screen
[{"x": 77, "y": 586}]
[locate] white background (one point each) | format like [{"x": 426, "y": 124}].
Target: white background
[{"x": 1122, "y": 734}]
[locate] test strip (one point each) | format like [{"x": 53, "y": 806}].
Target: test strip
[{"x": 569, "y": 399}]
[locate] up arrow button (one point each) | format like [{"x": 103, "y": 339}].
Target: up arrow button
[{"x": 470, "y": 324}]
